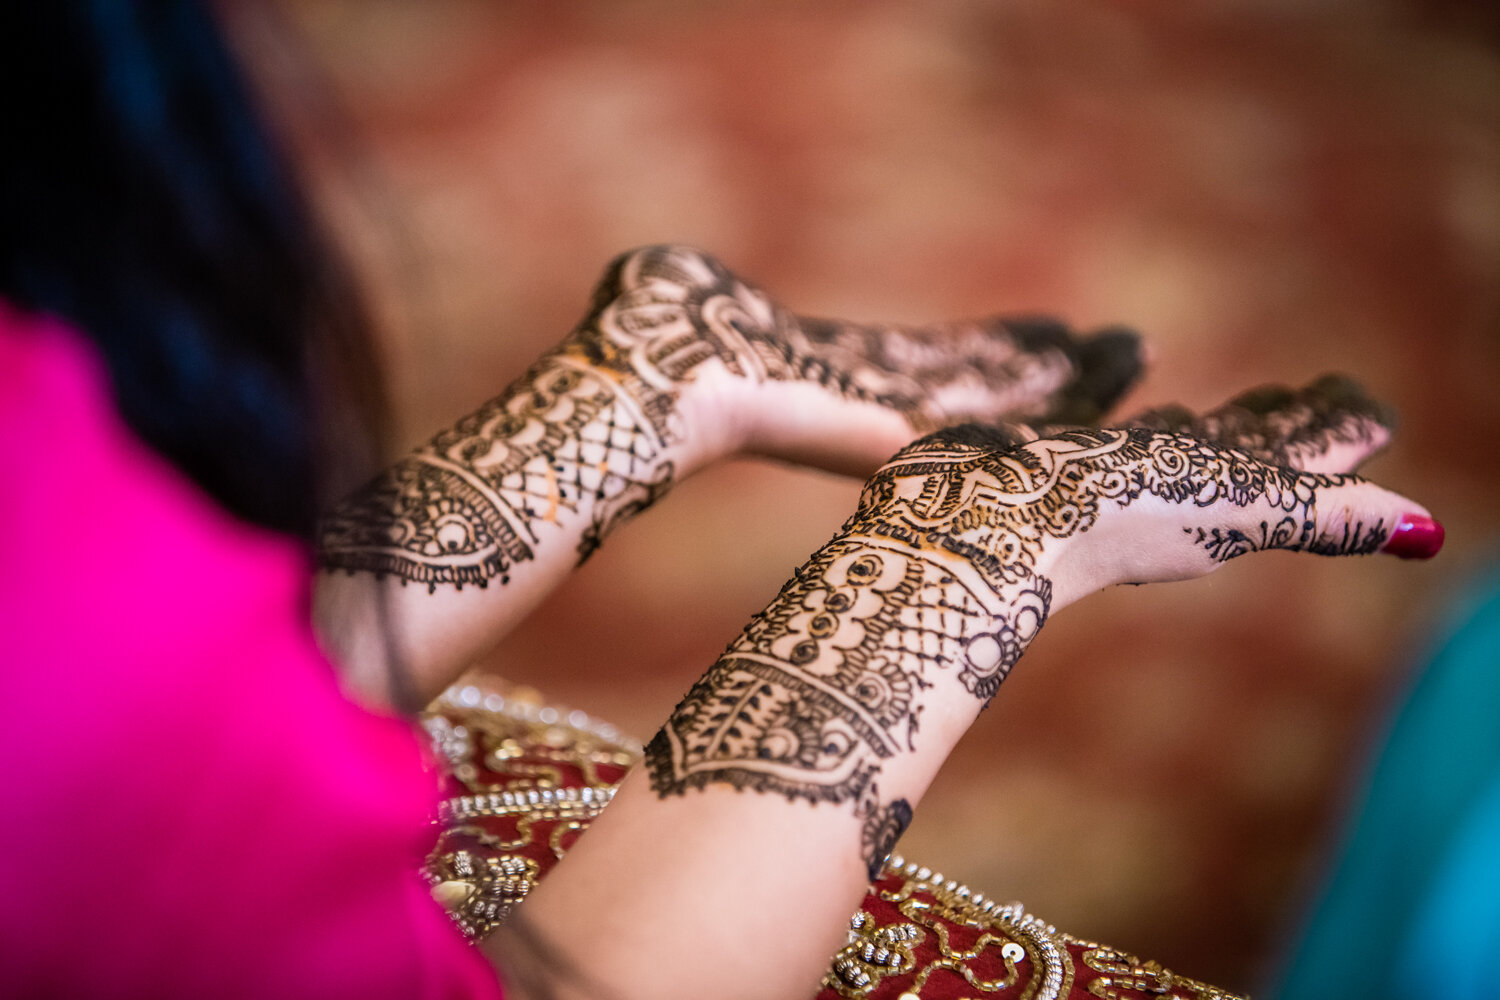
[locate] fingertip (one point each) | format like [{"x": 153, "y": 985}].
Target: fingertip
[
  {"x": 1035, "y": 334},
  {"x": 1415, "y": 536},
  {"x": 1110, "y": 361},
  {"x": 1341, "y": 393},
  {"x": 1262, "y": 400}
]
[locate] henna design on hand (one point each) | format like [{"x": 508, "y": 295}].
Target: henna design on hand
[
  {"x": 1296, "y": 428},
  {"x": 663, "y": 311},
  {"x": 587, "y": 432},
  {"x": 939, "y": 573}
]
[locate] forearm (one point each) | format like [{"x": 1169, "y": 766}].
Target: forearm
[{"x": 782, "y": 781}]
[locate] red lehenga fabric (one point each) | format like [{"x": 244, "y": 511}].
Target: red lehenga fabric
[{"x": 524, "y": 779}]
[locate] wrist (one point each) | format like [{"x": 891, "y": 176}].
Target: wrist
[{"x": 715, "y": 412}]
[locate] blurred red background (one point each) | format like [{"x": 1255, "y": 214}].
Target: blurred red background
[{"x": 1267, "y": 190}]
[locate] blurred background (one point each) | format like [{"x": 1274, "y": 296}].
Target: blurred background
[{"x": 1267, "y": 189}]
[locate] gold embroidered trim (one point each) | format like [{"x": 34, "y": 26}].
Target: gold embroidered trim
[
  {"x": 876, "y": 952},
  {"x": 535, "y": 804},
  {"x": 480, "y": 891}
]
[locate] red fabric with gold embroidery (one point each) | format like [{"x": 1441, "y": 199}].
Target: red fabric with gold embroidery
[{"x": 523, "y": 780}]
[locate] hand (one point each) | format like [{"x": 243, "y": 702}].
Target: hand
[
  {"x": 1165, "y": 496},
  {"x": 673, "y": 322},
  {"x": 678, "y": 363},
  {"x": 967, "y": 541}
]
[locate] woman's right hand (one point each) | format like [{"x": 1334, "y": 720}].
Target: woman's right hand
[
  {"x": 965, "y": 543},
  {"x": 1166, "y": 496}
]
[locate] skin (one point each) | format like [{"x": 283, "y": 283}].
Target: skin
[{"x": 794, "y": 764}]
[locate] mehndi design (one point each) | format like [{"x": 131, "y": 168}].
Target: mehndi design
[{"x": 938, "y": 578}]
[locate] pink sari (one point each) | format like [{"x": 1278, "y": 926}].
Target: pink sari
[{"x": 191, "y": 807}]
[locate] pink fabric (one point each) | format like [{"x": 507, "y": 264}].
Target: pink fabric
[{"x": 191, "y": 808}]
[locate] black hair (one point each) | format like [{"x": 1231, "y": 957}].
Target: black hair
[{"x": 142, "y": 200}]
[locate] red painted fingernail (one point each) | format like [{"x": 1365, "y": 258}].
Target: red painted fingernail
[{"x": 1415, "y": 537}]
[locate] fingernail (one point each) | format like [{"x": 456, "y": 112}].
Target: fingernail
[{"x": 1415, "y": 537}]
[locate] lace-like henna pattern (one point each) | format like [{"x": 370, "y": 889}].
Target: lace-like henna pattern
[
  {"x": 467, "y": 506},
  {"x": 827, "y": 681},
  {"x": 936, "y": 574},
  {"x": 662, "y": 311},
  {"x": 586, "y": 431}
]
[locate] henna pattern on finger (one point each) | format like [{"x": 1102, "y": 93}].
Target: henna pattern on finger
[
  {"x": 1292, "y": 534},
  {"x": 1286, "y": 427}
]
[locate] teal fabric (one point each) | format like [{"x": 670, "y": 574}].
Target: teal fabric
[
  {"x": 1413, "y": 907},
  {"x": 1456, "y": 928}
]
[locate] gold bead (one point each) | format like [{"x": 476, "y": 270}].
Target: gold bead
[{"x": 452, "y": 893}]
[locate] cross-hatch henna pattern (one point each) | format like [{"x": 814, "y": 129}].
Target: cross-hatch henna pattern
[
  {"x": 588, "y": 429},
  {"x": 934, "y": 580}
]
